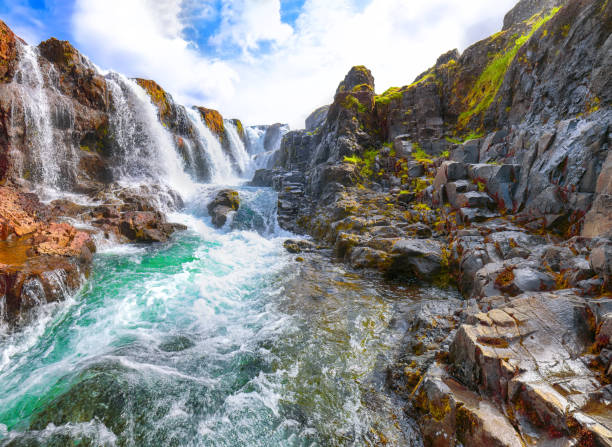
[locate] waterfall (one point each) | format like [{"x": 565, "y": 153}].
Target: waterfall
[
  {"x": 45, "y": 154},
  {"x": 264, "y": 142},
  {"x": 243, "y": 160},
  {"x": 146, "y": 150},
  {"x": 256, "y": 135},
  {"x": 220, "y": 165}
]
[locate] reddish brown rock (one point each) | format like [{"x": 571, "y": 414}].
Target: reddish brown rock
[
  {"x": 8, "y": 52},
  {"x": 40, "y": 260},
  {"x": 214, "y": 121}
]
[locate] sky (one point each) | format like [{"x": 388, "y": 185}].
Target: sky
[{"x": 262, "y": 61}]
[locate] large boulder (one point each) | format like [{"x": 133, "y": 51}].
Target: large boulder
[
  {"x": 225, "y": 202},
  {"x": 418, "y": 258}
]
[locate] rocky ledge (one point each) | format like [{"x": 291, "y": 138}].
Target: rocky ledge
[{"x": 43, "y": 258}]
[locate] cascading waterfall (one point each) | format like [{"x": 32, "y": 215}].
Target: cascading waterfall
[
  {"x": 219, "y": 163},
  {"x": 146, "y": 149},
  {"x": 260, "y": 155},
  {"x": 46, "y": 155},
  {"x": 243, "y": 160}
]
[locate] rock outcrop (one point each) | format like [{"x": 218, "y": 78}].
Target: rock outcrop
[
  {"x": 225, "y": 202},
  {"x": 489, "y": 172},
  {"x": 41, "y": 259}
]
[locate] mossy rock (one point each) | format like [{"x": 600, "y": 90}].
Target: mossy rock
[{"x": 159, "y": 97}]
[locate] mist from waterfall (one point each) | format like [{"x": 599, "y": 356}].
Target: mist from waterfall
[{"x": 262, "y": 147}]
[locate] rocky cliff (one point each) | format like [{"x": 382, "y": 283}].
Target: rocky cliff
[{"x": 490, "y": 172}]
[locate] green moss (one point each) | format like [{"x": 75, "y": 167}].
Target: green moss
[
  {"x": 364, "y": 163},
  {"x": 425, "y": 78},
  {"x": 85, "y": 148},
  {"x": 353, "y": 103},
  {"x": 486, "y": 87},
  {"x": 420, "y": 155},
  {"x": 389, "y": 95},
  {"x": 471, "y": 136},
  {"x": 363, "y": 88},
  {"x": 353, "y": 159}
]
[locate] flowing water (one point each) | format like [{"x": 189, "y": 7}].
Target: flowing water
[
  {"x": 37, "y": 119},
  {"x": 239, "y": 152},
  {"x": 219, "y": 163},
  {"x": 218, "y": 337},
  {"x": 146, "y": 150}
]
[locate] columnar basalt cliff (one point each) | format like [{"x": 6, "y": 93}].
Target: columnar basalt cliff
[{"x": 490, "y": 173}]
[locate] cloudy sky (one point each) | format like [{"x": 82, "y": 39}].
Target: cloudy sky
[{"x": 262, "y": 61}]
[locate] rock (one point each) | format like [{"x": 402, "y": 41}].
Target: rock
[
  {"x": 225, "y": 202},
  {"x": 449, "y": 171},
  {"x": 473, "y": 199},
  {"x": 263, "y": 177},
  {"x": 468, "y": 152},
  {"x": 214, "y": 122},
  {"x": 8, "y": 53},
  {"x": 366, "y": 257},
  {"x": 41, "y": 260},
  {"x": 450, "y": 411},
  {"x": 317, "y": 118},
  {"x": 527, "y": 8},
  {"x": 453, "y": 189},
  {"x": 143, "y": 226},
  {"x": 298, "y": 245},
  {"x": 598, "y": 221},
  {"x": 525, "y": 355},
  {"x": 418, "y": 230},
  {"x": 500, "y": 181},
  {"x": 386, "y": 232},
  {"x": 419, "y": 258},
  {"x": 402, "y": 146},
  {"x": 601, "y": 262}
]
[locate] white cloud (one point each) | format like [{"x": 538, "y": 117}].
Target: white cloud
[
  {"x": 246, "y": 23},
  {"x": 396, "y": 39},
  {"x": 143, "y": 38}
]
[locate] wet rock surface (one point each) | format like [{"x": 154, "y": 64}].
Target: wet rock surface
[
  {"x": 41, "y": 260},
  {"x": 502, "y": 192},
  {"x": 225, "y": 202}
]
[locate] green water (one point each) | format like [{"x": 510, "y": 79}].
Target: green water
[{"x": 217, "y": 338}]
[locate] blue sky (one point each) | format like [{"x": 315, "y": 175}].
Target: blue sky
[{"x": 259, "y": 60}]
